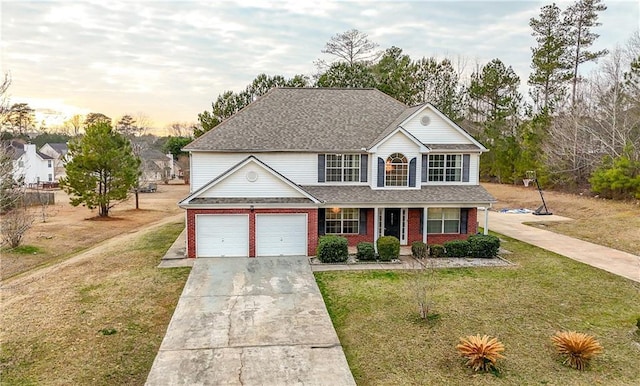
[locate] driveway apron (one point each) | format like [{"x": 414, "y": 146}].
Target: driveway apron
[{"x": 250, "y": 321}]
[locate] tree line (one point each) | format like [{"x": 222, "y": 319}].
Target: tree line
[{"x": 575, "y": 131}]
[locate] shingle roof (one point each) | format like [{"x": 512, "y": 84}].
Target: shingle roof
[
  {"x": 250, "y": 200},
  {"x": 437, "y": 194},
  {"x": 305, "y": 119},
  {"x": 59, "y": 147}
]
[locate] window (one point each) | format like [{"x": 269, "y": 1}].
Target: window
[
  {"x": 343, "y": 220},
  {"x": 50, "y": 177},
  {"x": 48, "y": 163},
  {"x": 396, "y": 170},
  {"x": 21, "y": 164},
  {"x": 441, "y": 220},
  {"x": 342, "y": 168},
  {"x": 445, "y": 167}
]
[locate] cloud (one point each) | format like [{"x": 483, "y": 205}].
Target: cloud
[{"x": 170, "y": 59}]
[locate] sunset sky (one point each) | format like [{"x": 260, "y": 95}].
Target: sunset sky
[{"x": 171, "y": 59}]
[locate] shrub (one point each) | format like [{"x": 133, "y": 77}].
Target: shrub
[
  {"x": 577, "y": 348},
  {"x": 484, "y": 246},
  {"x": 332, "y": 249},
  {"x": 456, "y": 248},
  {"x": 638, "y": 322},
  {"x": 388, "y": 248},
  {"x": 365, "y": 251},
  {"x": 436, "y": 250},
  {"x": 481, "y": 352},
  {"x": 419, "y": 249}
]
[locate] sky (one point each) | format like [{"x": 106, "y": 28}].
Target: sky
[{"x": 168, "y": 60}]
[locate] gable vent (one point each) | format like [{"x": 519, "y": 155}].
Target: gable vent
[{"x": 425, "y": 120}]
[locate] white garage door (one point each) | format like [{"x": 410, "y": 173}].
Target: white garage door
[
  {"x": 281, "y": 235},
  {"x": 222, "y": 235}
]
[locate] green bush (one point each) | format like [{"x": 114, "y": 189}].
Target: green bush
[
  {"x": 332, "y": 249},
  {"x": 456, "y": 248},
  {"x": 388, "y": 248},
  {"x": 436, "y": 250},
  {"x": 483, "y": 246},
  {"x": 419, "y": 249},
  {"x": 365, "y": 251},
  {"x": 617, "y": 178}
]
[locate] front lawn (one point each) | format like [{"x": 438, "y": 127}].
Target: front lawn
[
  {"x": 376, "y": 317},
  {"x": 96, "y": 321}
]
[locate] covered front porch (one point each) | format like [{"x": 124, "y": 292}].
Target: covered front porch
[{"x": 429, "y": 224}]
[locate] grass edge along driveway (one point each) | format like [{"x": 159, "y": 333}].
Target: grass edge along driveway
[{"x": 376, "y": 317}]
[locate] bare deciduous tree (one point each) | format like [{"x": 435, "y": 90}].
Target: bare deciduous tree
[{"x": 351, "y": 46}]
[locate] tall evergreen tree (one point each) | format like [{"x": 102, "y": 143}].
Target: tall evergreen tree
[
  {"x": 395, "y": 75},
  {"x": 580, "y": 18},
  {"x": 101, "y": 168},
  {"x": 495, "y": 100},
  {"x": 439, "y": 84},
  {"x": 549, "y": 59}
]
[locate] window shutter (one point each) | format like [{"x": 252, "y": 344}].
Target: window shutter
[
  {"x": 412, "y": 172},
  {"x": 364, "y": 167},
  {"x": 321, "y": 159},
  {"x": 464, "y": 220},
  {"x": 363, "y": 221},
  {"x": 466, "y": 159},
  {"x": 321, "y": 221},
  {"x": 421, "y": 220},
  {"x": 425, "y": 166},
  {"x": 380, "y": 172}
]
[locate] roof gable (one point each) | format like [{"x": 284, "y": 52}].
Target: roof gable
[
  {"x": 250, "y": 178},
  {"x": 304, "y": 119},
  {"x": 433, "y": 128},
  {"x": 400, "y": 131}
]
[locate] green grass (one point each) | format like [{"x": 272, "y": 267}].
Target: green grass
[
  {"x": 101, "y": 321},
  {"x": 376, "y": 317},
  {"x": 25, "y": 250}
]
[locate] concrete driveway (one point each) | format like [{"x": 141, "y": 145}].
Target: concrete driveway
[
  {"x": 611, "y": 260},
  {"x": 250, "y": 321}
]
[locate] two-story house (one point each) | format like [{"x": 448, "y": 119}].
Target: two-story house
[
  {"x": 29, "y": 165},
  {"x": 299, "y": 163},
  {"x": 57, "y": 151}
]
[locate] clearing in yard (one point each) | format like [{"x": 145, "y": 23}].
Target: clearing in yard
[
  {"x": 614, "y": 224},
  {"x": 376, "y": 316}
]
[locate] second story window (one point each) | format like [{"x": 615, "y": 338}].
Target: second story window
[
  {"x": 48, "y": 163},
  {"x": 396, "y": 170},
  {"x": 342, "y": 168},
  {"x": 445, "y": 168}
]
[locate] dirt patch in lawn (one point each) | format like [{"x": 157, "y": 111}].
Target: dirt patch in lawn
[
  {"x": 610, "y": 223},
  {"x": 69, "y": 230}
]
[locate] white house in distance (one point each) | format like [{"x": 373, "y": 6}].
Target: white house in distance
[
  {"x": 56, "y": 151},
  {"x": 299, "y": 163},
  {"x": 30, "y": 165}
]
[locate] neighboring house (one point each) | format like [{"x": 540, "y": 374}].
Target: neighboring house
[
  {"x": 29, "y": 165},
  {"x": 57, "y": 151},
  {"x": 299, "y": 163},
  {"x": 156, "y": 166}
]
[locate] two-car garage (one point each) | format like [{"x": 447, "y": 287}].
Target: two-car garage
[{"x": 274, "y": 234}]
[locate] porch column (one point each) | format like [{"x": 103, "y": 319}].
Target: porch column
[
  {"x": 486, "y": 220},
  {"x": 376, "y": 227},
  {"x": 425, "y": 213}
]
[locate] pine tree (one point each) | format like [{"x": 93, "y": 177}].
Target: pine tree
[
  {"x": 101, "y": 168},
  {"x": 549, "y": 59},
  {"x": 579, "y": 19}
]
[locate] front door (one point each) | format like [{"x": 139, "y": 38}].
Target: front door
[{"x": 392, "y": 222}]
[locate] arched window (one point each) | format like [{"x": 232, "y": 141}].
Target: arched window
[{"x": 396, "y": 170}]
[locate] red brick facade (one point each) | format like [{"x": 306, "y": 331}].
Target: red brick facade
[
  {"x": 414, "y": 227},
  {"x": 312, "y": 226}
]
